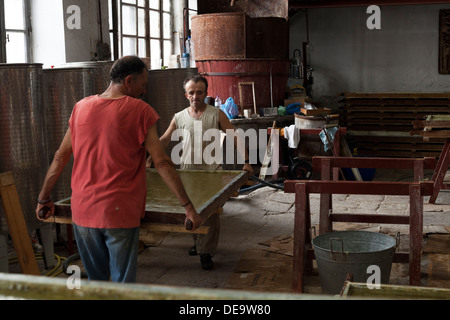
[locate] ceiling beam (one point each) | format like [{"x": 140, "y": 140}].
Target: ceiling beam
[{"x": 304, "y": 4}]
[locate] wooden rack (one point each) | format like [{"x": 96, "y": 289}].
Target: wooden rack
[{"x": 380, "y": 123}]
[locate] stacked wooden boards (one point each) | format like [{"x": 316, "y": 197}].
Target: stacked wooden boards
[
  {"x": 432, "y": 127},
  {"x": 380, "y": 123}
]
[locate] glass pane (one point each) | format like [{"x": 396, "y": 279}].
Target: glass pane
[
  {"x": 16, "y": 51},
  {"x": 111, "y": 41},
  {"x": 193, "y": 4},
  {"x": 129, "y": 1},
  {"x": 167, "y": 52},
  {"x": 141, "y": 22},
  {"x": 141, "y": 3},
  {"x": 167, "y": 5},
  {"x": 192, "y": 13},
  {"x": 155, "y": 54},
  {"x": 167, "y": 26},
  {"x": 142, "y": 48},
  {"x": 154, "y": 25},
  {"x": 110, "y": 15},
  {"x": 14, "y": 14},
  {"x": 129, "y": 20},
  {"x": 154, "y": 4},
  {"x": 129, "y": 46}
]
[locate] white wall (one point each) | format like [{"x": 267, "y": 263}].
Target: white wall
[
  {"x": 81, "y": 44},
  {"x": 348, "y": 57},
  {"x": 53, "y": 43}
]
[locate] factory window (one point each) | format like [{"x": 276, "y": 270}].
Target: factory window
[
  {"x": 142, "y": 28},
  {"x": 14, "y": 31}
]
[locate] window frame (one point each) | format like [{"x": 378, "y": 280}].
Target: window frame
[
  {"x": 26, "y": 31},
  {"x": 136, "y": 36},
  {"x": 118, "y": 36}
]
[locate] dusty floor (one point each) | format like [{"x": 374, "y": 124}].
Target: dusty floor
[{"x": 255, "y": 249}]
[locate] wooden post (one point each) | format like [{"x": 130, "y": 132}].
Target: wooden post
[
  {"x": 301, "y": 229},
  {"x": 415, "y": 233},
  {"x": 325, "y": 199},
  {"x": 17, "y": 226},
  {"x": 268, "y": 155}
]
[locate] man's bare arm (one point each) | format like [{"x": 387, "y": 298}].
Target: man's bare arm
[{"x": 60, "y": 160}]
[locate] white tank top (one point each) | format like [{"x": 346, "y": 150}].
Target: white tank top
[{"x": 200, "y": 151}]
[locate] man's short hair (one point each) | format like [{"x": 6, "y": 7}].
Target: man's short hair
[
  {"x": 125, "y": 66},
  {"x": 196, "y": 78}
]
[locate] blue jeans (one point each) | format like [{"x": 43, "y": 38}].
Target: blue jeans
[{"x": 108, "y": 254}]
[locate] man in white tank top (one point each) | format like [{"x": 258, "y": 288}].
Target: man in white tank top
[{"x": 193, "y": 122}]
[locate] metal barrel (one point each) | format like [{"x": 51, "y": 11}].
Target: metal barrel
[
  {"x": 100, "y": 75},
  {"x": 22, "y": 138},
  {"x": 227, "y": 78},
  {"x": 165, "y": 93},
  {"x": 341, "y": 253},
  {"x": 233, "y": 50},
  {"x": 62, "y": 89},
  {"x": 219, "y": 36},
  {"x": 234, "y": 35}
]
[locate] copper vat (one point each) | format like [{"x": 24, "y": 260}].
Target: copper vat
[
  {"x": 270, "y": 78},
  {"x": 232, "y": 48}
]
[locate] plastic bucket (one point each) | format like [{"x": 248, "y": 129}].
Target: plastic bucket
[{"x": 352, "y": 252}]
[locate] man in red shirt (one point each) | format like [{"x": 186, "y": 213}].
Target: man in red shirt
[{"x": 109, "y": 135}]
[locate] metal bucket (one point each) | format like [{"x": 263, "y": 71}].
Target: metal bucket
[
  {"x": 352, "y": 252},
  {"x": 62, "y": 89},
  {"x": 22, "y": 147},
  {"x": 312, "y": 122}
]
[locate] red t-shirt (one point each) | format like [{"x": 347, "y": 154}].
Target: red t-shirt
[{"x": 108, "y": 177}]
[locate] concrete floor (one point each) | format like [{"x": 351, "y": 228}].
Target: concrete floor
[
  {"x": 255, "y": 248},
  {"x": 245, "y": 222},
  {"x": 251, "y": 222}
]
